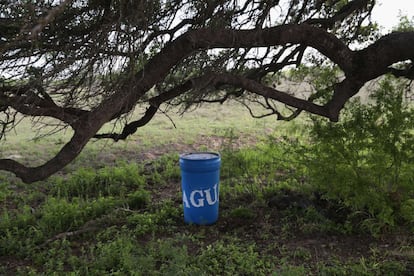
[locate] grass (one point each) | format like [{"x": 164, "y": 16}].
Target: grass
[
  {"x": 118, "y": 209},
  {"x": 202, "y": 128}
]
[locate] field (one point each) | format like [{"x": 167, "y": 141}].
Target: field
[{"x": 117, "y": 209}]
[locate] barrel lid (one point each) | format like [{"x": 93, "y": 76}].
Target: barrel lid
[{"x": 199, "y": 155}]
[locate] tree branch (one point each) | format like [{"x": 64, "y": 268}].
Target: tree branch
[
  {"x": 406, "y": 73},
  {"x": 24, "y": 100},
  {"x": 216, "y": 81},
  {"x": 359, "y": 67},
  {"x": 344, "y": 12},
  {"x": 154, "y": 102},
  {"x": 49, "y": 18}
]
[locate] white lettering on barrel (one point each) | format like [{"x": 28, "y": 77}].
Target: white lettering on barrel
[
  {"x": 185, "y": 200},
  {"x": 197, "y": 197},
  {"x": 200, "y": 201},
  {"x": 208, "y": 195}
]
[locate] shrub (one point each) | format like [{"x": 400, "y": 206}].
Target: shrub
[{"x": 365, "y": 159}]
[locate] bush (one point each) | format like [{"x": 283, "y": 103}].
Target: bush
[
  {"x": 365, "y": 160},
  {"x": 407, "y": 210}
]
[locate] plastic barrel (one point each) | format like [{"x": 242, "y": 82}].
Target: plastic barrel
[{"x": 200, "y": 175}]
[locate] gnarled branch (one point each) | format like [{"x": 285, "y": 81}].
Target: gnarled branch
[{"x": 358, "y": 67}]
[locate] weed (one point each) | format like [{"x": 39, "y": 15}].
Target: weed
[
  {"x": 4, "y": 191},
  {"x": 139, "y": 230},
  {"x": 242, "y": 213},
  {"x": 162, "y": 218},
  {"x": 124, "y": 255},
  {"x": 230, "y": 258},
  {"x": 301, "y": 254},
  {"x": 363, "y": 267},
  {"x": 290, "y": 270},
  {"x": 164, "y": 170},
  {"x": 109, "y": 181},
  {"x": 407, "y": 211},
  {"x": 61, "y": 215},
  {"x": 138, "y": 199}
]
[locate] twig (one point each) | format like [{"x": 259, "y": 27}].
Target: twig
[
  {"x": 169, "y": 118},
  {"x": 128, "y": 210},
  {"x": 49, "y": 18},
  {"x": 69, "y": 234}
]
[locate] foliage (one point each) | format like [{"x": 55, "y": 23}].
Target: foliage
[
  {"x": 261, "y": 170},
  {"x": 407, "y": 210},
  {"x": 405, "y": 24},
  {"x": 126, "y": 218},
  {"x": 59, "y": 215},
  {"x": 91, "y": 183},
  {"x": 229, "y": 258},
  {"x": 365, "y": 160},
  {"x": 319, "y": 79},
  {"x": 140, "y": 231},
  {"x": 81, "y": 65},
  {"x": 363, "y": 267}
]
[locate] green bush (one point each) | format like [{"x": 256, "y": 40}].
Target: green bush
[
  {"x": 365, "y": 160},
  {"x": 407, "y": 211}
]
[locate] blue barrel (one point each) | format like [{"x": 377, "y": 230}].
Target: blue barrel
[{"x": 200, "y": 174}]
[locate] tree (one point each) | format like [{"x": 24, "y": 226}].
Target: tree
[{"x": 86, "y": 63}]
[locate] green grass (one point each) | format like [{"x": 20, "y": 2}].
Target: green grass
[
  {"x": 207, "y": 128},
  {"x": 118, "y": 209}
]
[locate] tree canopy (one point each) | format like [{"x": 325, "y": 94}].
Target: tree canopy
[{"x": 85, "y": 63}]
